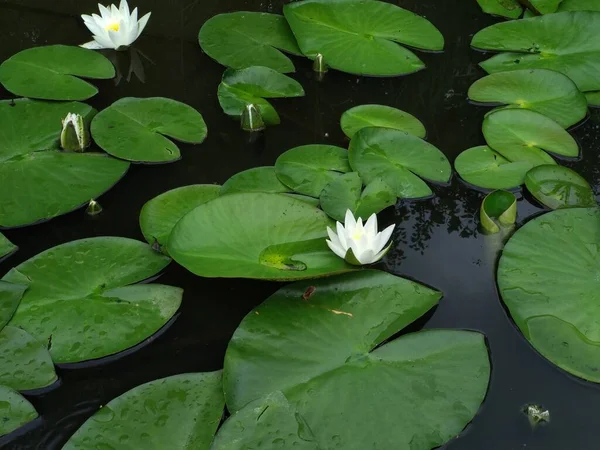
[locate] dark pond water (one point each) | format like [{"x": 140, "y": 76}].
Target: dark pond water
[{"x": 437, "y": 241}]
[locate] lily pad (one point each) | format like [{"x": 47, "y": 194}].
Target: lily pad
[
  {"x": 399, "y": 159},
  {"x": 545, "y": 6},
  {"x": 559, "y": 187},
  {"x": 547, "y": 276},
  {"x": 255, "y": 235},
  {"x": 309, "y": 168},
  {"x": 483, "y": 167},
  {"x": 257, "y": 179},
  {"x": 10, "y": 297},
  {"x": 181, "y": 412},
  {"x": 244, "y": 39},
  {"x": 159, "y": 215},
  {"x": 565, "y": 42},
  {"x": 25, "y": 363},
  {"x": 80, "y": 299},
  {"x": 15, "y": 411},
  {"x": 240, "y": 88},
  {"x": 511, "y": 9},
  {"x": 37, "y": 180},
  {"x": 593, "y": 99},
  {"x": 7, "y": 248},
  {"x": 498, "y": 209},
  {"x": 545, "y": 91},
  {"x": 522, "y": 135},
  {"x": 337, "y": 387},
  {"x": 579, "y": 5},
  {"x": 51, "y": 73},
  {"x": 361, "y": 36},
  {"x": 346, "y": 192},
  {"x": 365, "y": 116},
  {"x": 135, "y": 129}
]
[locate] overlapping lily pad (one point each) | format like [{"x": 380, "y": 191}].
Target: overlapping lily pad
[
  {"x": 399, "y": 159},
  {"x": 483, "y": 167},
  {"x": 545, "y": 91},
  {"x": 510, "y": 9},
  {"x": 593, "y": 99},
  {"x": 7, "y": 248},
  {"x": 346, "y": 192},
  {"x": 37, "y": 180},
  {"x": 579, "y": 5},
  {"x": 181, "y": 412},
  {"x": 81, "y": 301},
  {"x": 365, "y": 116},
  {"x": 498, "y": 209},
  {"x": 559, "y": 187},
  {"x": 565, "y": 42},
  {"x": 255, "y": 235},
  {"x": 136, "y": 129},
  {"x": 546, "y": 6},
  {"x": 244, "y": 39},
  {"x": 15, "y": 411},
  {"x": 10, "y": 297},
  {"x": 362, "y": 37},
  {"x": 25, "y": 363},
  {"x": 51, "y": 73},
  {"x": 159, "y": 215},
  {"x": 309, "y": 168},
  {"x": 240, "y": 88},
  {"x": 333, "y": 391},
  {"x": 548, "y": 276},
  {"x": 522, "y": 135}
]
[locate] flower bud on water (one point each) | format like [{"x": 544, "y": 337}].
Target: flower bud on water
[
  {"x": 320, "y": 66},
  {"x": 94, "y": 208},
  {"x": 74, "y": 136},
  {"x": 251, "y": 119}
]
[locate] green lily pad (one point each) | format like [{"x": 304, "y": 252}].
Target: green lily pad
[
  {"x": 10, "y": 297},
  {"x": 15, "y": 411},
  {"x": 399, "y": 159},
  {"x": 134, "y": 129},
  {"x": 257, "y": 179},
  {"x": 559, "y": 187},
  {"x": 593, "y": 99},
  {"x": 244, "y": 39},
  {"x": 522, "y": 135},
  {"x": 365, "y": 116},
  {"x": 546, "y": 6},
  {"x": 78, "y": 299},
  {"x": 483, "y": 167},
  {"x": 565, "y": 42},
  {"x": 547, "y": 276},
  {"x": 255, "y": 235},
  {"x": 498, "y": 209},
  {"x": 250, "y": 86},
  {"x": 545, "y": 91},
  {"x": 51, "y": 73},
  {"x": 329, "y": 364},
  {"x": 181, "y": 412},
  {"x": 579, "y": 5},
  {"x": 346, "y": 192},
  {"x": 511, "y": 9},
  {"x": 159, "y": 215},
  {"x": 7, "y": 248},
  {"x": 361, "y": 37},
  {"x": 25, "y": 363},
  {"x": 37, "y": 180},
  {"x": 309, "y": 168}
]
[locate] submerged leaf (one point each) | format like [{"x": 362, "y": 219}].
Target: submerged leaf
[{"x": 559, "y": 187}]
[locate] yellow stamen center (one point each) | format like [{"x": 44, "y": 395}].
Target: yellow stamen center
[{"x": 113, "y": 26}]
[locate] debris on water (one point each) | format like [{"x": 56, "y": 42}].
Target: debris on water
[{"x": 537, "y": 415}]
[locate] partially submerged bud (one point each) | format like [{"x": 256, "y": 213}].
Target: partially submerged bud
[
  {"x": 74, "y": 136},
  {"x": 251, "y": 119},
  {"x": 320, "y": 66},
  {"x": 93, "y": 208},
  {"x": 537, "y": 414}
]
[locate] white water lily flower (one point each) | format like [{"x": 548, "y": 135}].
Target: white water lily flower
[
  {"x": 115, "y": 28},
  {"x": 359, "y": 244},
  {"x": 74, "y": 136}
]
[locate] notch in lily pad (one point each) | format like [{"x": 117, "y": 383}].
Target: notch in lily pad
[{"x": 498, "y": 210}]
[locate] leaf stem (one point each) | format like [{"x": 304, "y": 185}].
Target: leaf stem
[{"x": 527, "y": 4}]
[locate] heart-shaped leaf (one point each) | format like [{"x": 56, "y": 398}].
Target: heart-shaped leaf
[
  {"x": 7, "y": 248},
  {"x": 510, "y": 9},
  {"x": 559, "y": 187},
  {"x": 244, "y": 39},
  {"x": 365, "y": 116},
  {"x": 362, "y": 36},
  {"x": 80, "y": 298},
  {"x": 579, "y": 5},
  {"x": 257, "y": 179},
  {"x": 398, "y": 159},
  {"x": 15, "y": 411},
  {"x": 51, "y": 72},
  {"x": 135, "y": 129}
]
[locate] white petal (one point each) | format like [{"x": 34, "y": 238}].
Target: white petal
[
  {"x": 116, "y": 38},
  {"x": 124, "y": 8},
  {"x": 381, "y": 254},
  {"x": 384, "y": 237},
  {"x": 333, "y": 237},
  {"x": 336, "y": 249},
  {"x": 371, "y": 225},
  {"x": 104, "y": 40},
  {"x": 357, "y": 251},
  {"x": 114, "y": 11},
  {"x": 104, "y": 11},
  {"x": 367, "y": 257},
  {"x": 142, "y": 24},
  {"x": 96, "y": 29},
  {"x": 341, "y": 232},
  {"x": 349, "y": 222},
  {"x": 133, "y": 26},
  {"x": 93, "y": 45}
]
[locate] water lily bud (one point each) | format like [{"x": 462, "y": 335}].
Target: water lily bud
[
  {"x": 320, "y": 66},
  {"x": 94, "y": 208},
  {"x": 251, "y": 119},
  {"x": 74, "y": 136}
]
